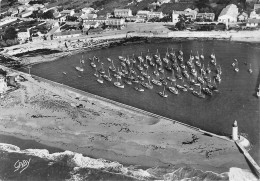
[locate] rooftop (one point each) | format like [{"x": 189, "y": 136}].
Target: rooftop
[{"x": 64, "y": 33}]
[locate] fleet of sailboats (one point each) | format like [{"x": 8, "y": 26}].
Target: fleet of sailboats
[{"x": 182, "y": 76}]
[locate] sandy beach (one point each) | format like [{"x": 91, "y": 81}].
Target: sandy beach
[{"x": 68, "y": 120}]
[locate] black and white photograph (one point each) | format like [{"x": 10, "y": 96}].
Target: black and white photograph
[{"x": 120, "y": 90}]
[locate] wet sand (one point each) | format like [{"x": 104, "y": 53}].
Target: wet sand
[{"x": 61, "y": 118}]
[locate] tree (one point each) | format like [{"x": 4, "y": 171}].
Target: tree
[
  {"x": 181, "y": 24},
  {"x": 10, "y": 33},
  {"x": 48, "y": 14}
]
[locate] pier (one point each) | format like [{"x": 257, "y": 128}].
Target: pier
[{"x": 255, "y": 167}]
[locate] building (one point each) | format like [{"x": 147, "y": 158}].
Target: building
[
  {"x": 67, "y": 12},
  {"x": 90, "y": 24},
  {"x": 206, "y": 16},
  {"x": 254, "y": 15},
  {"x": 13, "y": 12},
  {"x": 3, "y": 84},
  {"x": 142, "y": 14},
  {"x": 155, "y": 15},
  {"x": 228, "y": 14},
  {"x": 23, "y": 35},
  {"x": 67, "y": 34},
  {"x": 242, "y": 17},
  {"x": 256, "y": 6},
  {"x": 25, "y": 14},
  {"x": 115, "y": 23},
  {"x": 253, "y": 23},
  {"x": 123, "y": 13},
  {"x": 87, "y": 10},
  {"x": 7, "y": 20},
  {"x": 188, "y": 13},
  {"x": 84, "y": 17},
  {"x": 163, "y": 1},
  {"x": 175, "y": 18},
  {"x": 100, "y": 20},
  {"x": 24, "y": 1},
  {"x": 57, "y": 16}
]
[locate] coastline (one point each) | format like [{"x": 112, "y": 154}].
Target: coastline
[
  {"x": 105, "y": 130},
  {"x": 133, "y": 30}
]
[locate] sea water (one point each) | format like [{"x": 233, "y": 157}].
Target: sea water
[{"x": 236, "y": 99}]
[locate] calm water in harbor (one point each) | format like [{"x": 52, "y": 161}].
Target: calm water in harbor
[{"x": 236, "y": 99}]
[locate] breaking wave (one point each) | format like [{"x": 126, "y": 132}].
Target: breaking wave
[{"x": 79, "y": 167}]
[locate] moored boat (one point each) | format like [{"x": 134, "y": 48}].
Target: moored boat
[
  {"x": 163, "y": 94},
  {"x": 119, "y": 84},
  {"x": 100, "y": 80}
]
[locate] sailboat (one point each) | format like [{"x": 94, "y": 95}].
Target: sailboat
[
  {"x": 119, "y": 84},
  {"x": 146, "y": 64},
  {"x": 163, "y": 94},
  {"x": 139, "y": 66},
  {"x": 139, "y": 88},
  {"x": 258, "y": 92},
  {"x": 160, "y": 69},
  {"x": 92, "y": 63},
  {"x": 250, "y": 69},
  {"x": 122, "y": 58},
  {"x": 208, "y": 70},
  {"x": 112, "y": 66},
  {"x": 82, "y": 60},
  {"x": 101, "y": 70},
  {"x": 96, "y": 72},
  {"x": 198, "y": 94},
  {"x": 173, "y": 90},
  {"x": 236, "y": 69},
  {"x": 155, "y": 72},
  {"x": 156, "y": 82},
  {"x": 133, "y": 60},
  {"x": 197, "y": 56},
  {"x": 108, "y": 77},
  {"x": 172, "y": 78},
  {"x": 218, "y": 78},
  {"x": 100, "y": 80},
  {"x": 79, "y": 68}
]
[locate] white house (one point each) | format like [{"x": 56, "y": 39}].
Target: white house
[
  {"x": 124, "y": 13},
  {"x": 155, "y": 15},
  {"x": 116, "y": 23},
  {"x": 242, "y": 17},
  {"x": 23, "y": 35},
  {"x": 67, "y": 34},
  {"x": 254, "y": 15},
  {"x": 253, "y": 22},
  {"x": 7, "y": 20},
  {"x": 26, "y": 14},
  {"x": 68, "y": 12},
  {"x": 204, "y": 16},
  {"x": 256, "y": 6},
  {"x": 142, "y": 14},
  {"x": 228, "y": 14},
  {"x": 24, "y": 1},
  {"x": 3, "y": 84},
  {"x": 87, "y": 10}
]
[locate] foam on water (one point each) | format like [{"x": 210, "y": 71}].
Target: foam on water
[{"x": 78, "y": 161}]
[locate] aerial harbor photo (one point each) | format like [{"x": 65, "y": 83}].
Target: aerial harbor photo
[{"x": 110, "y": 90}]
